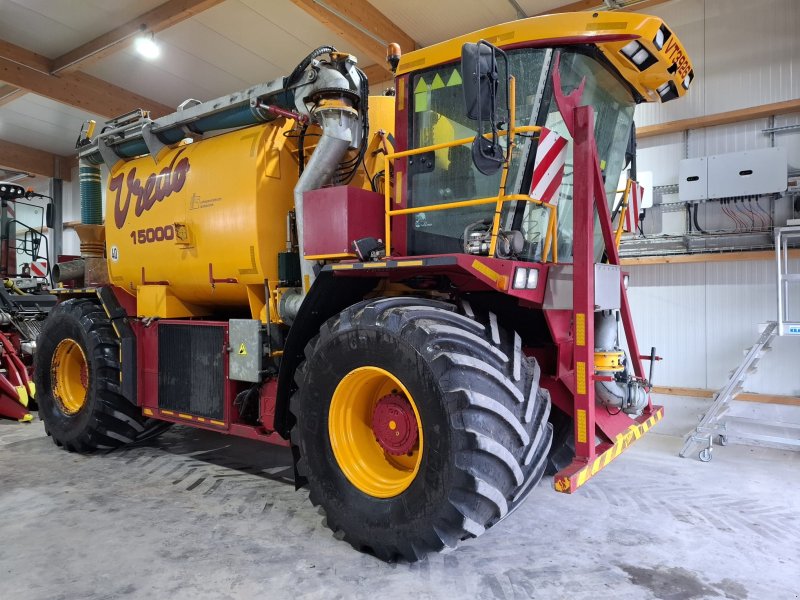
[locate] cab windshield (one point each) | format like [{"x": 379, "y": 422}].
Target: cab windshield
[{"x": 448, "y": 175}]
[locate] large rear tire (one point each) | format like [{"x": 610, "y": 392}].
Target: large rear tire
[
  {"x": 77, "y": 375},
  {"x": 470, "y": 436}
]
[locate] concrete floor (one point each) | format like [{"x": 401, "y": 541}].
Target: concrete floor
[{"x": 198, "y": 515}]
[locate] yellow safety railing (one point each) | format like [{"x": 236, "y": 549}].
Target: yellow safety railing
[
  {"x": 626, "y": 194},
  {"x": 498, "y": 201}
]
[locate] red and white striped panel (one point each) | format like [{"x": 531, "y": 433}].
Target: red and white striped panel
[
  {"x": 548, "y": 168},
  {"x": 634, "y": 202},
  {"x": 39, "y": 268}
]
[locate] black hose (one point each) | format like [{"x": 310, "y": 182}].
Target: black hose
[
  {"x": 696, "y": 224},
  {"x": 300, "y": 68},
  {"x": 689, "y": 216}
]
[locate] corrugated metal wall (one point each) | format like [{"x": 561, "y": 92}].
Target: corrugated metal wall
[
  {"x": 745, "y": 53},
  {"x": 702, "y": 316}
]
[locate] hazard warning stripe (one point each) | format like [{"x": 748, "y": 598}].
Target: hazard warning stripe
[
  {"x": 548, "y": 168},
  {"x": 634, "y": 202},
  {"x": 39, "y": 268},
  {"x": 170, "y": 415},
  {"x": 623, "y": 441}
]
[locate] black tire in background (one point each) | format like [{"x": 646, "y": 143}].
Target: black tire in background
[
  {"x": 484, "y": 421},
  {"x": 106, "y": 419}
]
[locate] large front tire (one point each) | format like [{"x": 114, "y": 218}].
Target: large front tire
[
  {"x": 483, "y": 432},
  {"x": 77, "y": 376}
]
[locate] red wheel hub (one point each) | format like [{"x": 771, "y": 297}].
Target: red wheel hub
[{"x": 395, "y": 424}]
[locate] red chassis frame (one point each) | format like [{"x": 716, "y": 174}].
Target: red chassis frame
[{"x": 616, "y": 430}]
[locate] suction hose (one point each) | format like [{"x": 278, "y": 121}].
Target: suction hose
[{"x": 339, "y": 129}]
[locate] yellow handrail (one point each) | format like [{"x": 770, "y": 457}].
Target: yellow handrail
[
  {"x": 499, "y": 200},
  {"x": 620, "y": 225},
  {"x": 512, "y": 109}
]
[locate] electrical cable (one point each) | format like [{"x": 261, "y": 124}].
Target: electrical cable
[
  {"x": 748, "y": 213},
  {"x": 767, "y": 216},
  {"x": 762, "y": 222},
  {"x": 696, "y": 224},
  {"x": 729, "y": 211}
]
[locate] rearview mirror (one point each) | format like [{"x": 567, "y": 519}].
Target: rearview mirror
[
  {"x": 48, "y": 216},
  {"x": 480, "y": 80}
]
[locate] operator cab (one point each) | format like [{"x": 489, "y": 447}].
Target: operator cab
[
  {"x": 24, "y": 250},
  {"x": 614, "y": 77}
]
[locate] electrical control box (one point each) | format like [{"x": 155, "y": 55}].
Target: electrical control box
[{"x": 750, "y": 173}]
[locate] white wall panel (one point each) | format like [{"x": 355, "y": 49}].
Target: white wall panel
[
  {"x": 661, "y": 155},
  {"x": 685, "y": 18},
  {"x": 745, "y": 54},
  {"x": 668, "y": 301},
  {"x": 702, "y": 316}
]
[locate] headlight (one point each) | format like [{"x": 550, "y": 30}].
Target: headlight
[
  {"x": 525, "y": 279},
  {"x": 662, "y": 35},
  {"x": 688, "y": 80},
  {"x": 625, "y": 280},
  {"x": 638, "y": 55},
  {"x": 667, "y": 91}
]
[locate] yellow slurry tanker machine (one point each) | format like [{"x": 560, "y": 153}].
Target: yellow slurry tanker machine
[{"x": 397, "y": 287}]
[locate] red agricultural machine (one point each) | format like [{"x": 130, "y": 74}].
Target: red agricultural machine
[
  {"x": 24, "y": 296},
  {"x": 420, "y": 292}
]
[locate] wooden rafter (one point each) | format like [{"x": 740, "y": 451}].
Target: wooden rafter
[
  {"x": 375, "y": 73},
  {"x": 361, "y": 24},
  {"x": 23, "y": 69},
  {"x": 37, "y": 162},
  {"x": 161, "y": 17},
  {"x": 9, "y": 93},
  {"x": 723, "y": 118},
  {"x": 600, "y": 5}
]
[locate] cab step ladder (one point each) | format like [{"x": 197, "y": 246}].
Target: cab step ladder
[{"x": 715, "y": 422}]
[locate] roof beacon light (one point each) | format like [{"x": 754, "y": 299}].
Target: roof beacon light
[{"x": 393, "y": 55}]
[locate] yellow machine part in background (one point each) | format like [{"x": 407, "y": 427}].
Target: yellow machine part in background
[{"x": 203, "y": 226}]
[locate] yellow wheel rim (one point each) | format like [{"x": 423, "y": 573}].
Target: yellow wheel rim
[
  {"x": 368, "y": 459},
  {"x": 69, "y": 373}
]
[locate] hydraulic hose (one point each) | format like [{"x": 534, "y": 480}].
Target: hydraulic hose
[{"x": 295, "y": 76}]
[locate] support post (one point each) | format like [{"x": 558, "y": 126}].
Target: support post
[
  {"x": 583, "y": 282},
  {"x": 57, "y": 194}
]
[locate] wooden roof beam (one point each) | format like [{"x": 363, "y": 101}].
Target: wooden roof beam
[
  {"x": 363, "y": 26},
  {"x": 158, "y": 19},
  {"x": 723, "y": 118},
  {"x": 37, "y": 162},
  {"x": 600, "y": 5},
  {"x": 9, "y": 93},
  {"x": 24, "y": 69}
]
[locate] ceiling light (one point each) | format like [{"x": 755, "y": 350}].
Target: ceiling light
[{"x": 147, "y": 47}]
